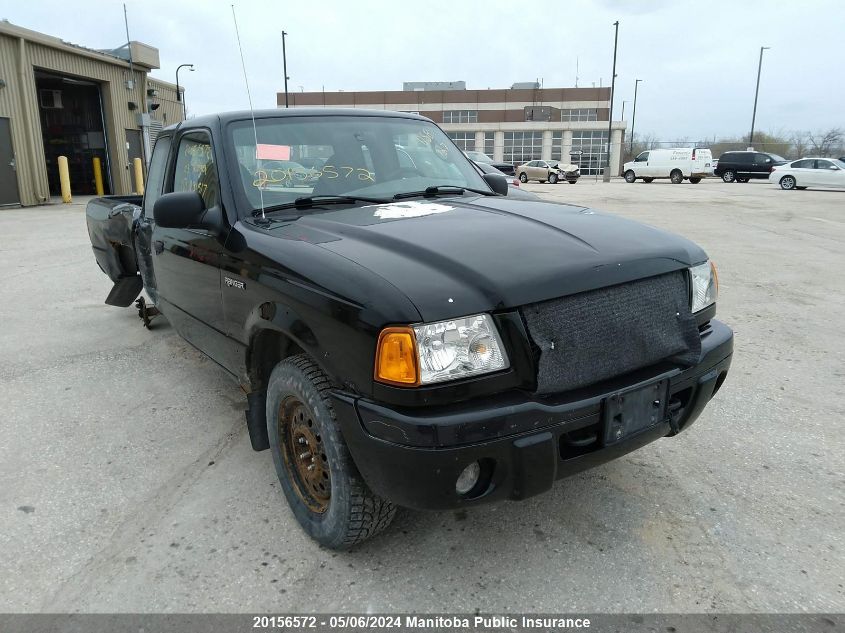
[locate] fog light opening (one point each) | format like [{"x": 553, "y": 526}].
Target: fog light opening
[{"x": 468, "y": 479}]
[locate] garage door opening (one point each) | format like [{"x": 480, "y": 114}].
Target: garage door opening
[{"x": 71, "y": 112}]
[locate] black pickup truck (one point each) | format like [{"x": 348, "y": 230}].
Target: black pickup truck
[{"x": 405, "y": 334}]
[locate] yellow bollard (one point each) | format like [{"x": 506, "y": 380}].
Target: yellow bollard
[
  {"x": 139, "y": 176},
  {"x": 64, "y": 179},
  {"x": 98, "y": 176}
]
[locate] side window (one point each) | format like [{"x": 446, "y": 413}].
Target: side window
[
  {"x": 762, "y": 159},
  {"x": 643, "y": 157},
  {"x": 155, "y": 177},
  {"x": 195, "y": 168},
  {"x": 823, "y": 164},
  {"x": 803, "y": 164}
]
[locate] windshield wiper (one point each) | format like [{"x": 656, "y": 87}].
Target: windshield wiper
[
  {"x": 312, "y": 201},
  {"x": 439, "y": 190}
]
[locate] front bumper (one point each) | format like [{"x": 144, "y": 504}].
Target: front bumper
[{"x": 413, "y": 457}]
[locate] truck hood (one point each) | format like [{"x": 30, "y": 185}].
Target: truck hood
[{"x": 459, "y": 256}]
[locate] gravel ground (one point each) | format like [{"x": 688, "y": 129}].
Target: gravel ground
[{"x": 127, "y": 482}]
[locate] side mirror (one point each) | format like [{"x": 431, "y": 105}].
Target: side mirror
[
  {"x": 834, "y": 168},
  {"x": 184, "y": 210},
  {"x": 497, "y": 182}
]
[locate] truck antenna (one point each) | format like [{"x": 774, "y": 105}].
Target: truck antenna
[{"x": 249, "y": 96}]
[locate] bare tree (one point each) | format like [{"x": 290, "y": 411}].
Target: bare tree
[
  {"x": 798, "y": 140},
  {"x": 823, "y": 143}
]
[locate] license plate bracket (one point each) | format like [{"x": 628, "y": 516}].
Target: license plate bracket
[{"x": 628, "y": 412}]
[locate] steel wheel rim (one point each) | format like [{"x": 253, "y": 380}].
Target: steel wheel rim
[{"x": 304, "y": 455}]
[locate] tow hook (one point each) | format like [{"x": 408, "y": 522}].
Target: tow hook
[
  {"x": 146, "y": 313},
  {"x": 674, "y": 411}
]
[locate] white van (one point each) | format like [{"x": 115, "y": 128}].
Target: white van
[{"x": 678, "y": 164}]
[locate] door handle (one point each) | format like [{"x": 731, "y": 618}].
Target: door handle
[{"x": 13, "y": 165}]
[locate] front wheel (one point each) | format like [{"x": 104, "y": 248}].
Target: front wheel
[
  {"x": 553, "y": 179},
  {"x": 324, "y": 489},
  {"x": 676, "y": 177},
  {"x": 695, "y": 181},
  {"x": 729, "y": 176},
  {"x": 523, "y": 177},
  {"x": 630, "y": 176},
  {"x": 787, "y": 182}
]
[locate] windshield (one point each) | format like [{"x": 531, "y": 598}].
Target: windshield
[
  {"x": 367, "y": 156},
  {"x": 479, "y": 157}
]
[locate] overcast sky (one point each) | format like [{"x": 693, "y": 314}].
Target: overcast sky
[{"x": 698, "y": 61}]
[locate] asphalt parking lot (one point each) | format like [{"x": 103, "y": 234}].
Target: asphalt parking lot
[{"x": 127, "y": 482}]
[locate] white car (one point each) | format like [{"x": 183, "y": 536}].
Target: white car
[
  {"x": 678, "y": 164},
  {"x": 810, "y": 172}
]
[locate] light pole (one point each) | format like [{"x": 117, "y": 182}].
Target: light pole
[
  {"x": 179, "y": 90},
  {"x": 634, "y": 116},
  {"x": 285, "y": 67},
  {"x": 756, "y": 92},
  {"x": 606, "y": 177}
]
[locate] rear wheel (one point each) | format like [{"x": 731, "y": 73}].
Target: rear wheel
[
  {"x": 787, "y": 182},
  {"x": 729, "y": 176},
  {"x": 648, "y": 179},
  {"x": 553, "y": 179},
  {"x": 630, "y": 176},
  {"x": 676, "y": 177},
  {"x": 324, "y": 489},
  {"x": 523, "y": 177},
  {"x": 695, "y": 181}
]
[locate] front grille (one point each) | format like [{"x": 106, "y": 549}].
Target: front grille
[{"x": 592, "y": 336}]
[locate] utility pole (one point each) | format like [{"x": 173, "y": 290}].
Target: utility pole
[
  {"x": 634, "y": 116},
  {"x": 756, "y": 92},
  {"x": 285, "y": 67},
  {"x": 606, "y": 177},
  {"x": 179, "y": 95}
]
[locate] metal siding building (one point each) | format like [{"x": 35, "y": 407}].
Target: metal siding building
[{"x": 27, "y": 57}]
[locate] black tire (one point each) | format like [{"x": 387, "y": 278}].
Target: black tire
[
  {"x": 729, "y": 175},
  {"x": 630, "y": 176},
  {"x": 553, "y": 179},
  {"x": 523, "y": 177},
  {"x": 648, "y": 179},
  {"x": 743, "y": 179},
  {"x": 571, "y": 182},
  {"x": 787, "y": 182},
  {"x": 334, "y": 506},
  {"x": 695, "y": 180},
  {"x": 676, "y": 177},
  {"x": 801, "y": 188}
]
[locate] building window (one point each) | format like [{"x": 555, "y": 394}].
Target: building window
[
  {"x": 489, "y": 143},
  {"x": 579, "y": 114},
  {"x": 593, "y": 147},
  {"x": 557, "y": 145},
  {"x": 464, "y": 140},
  {"x": 520, "y": 147},
  {"x": 460, "y": 116}
]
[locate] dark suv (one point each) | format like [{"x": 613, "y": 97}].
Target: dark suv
[{"x": 742, "y": 166}]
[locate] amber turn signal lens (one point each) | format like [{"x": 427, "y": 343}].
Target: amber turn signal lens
[
  {"x": 396, "y": 357},
  {"x": 715, "y": 275}
]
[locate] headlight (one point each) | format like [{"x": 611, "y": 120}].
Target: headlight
[
  {"x": 705, "y": 285},
  {"x": 436, "y": 352}
]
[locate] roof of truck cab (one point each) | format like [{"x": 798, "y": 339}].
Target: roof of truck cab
[{"x": 240, "y": 115}]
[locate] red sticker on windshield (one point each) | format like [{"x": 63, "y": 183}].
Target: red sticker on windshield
[{"x": 272, "y": 152}]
